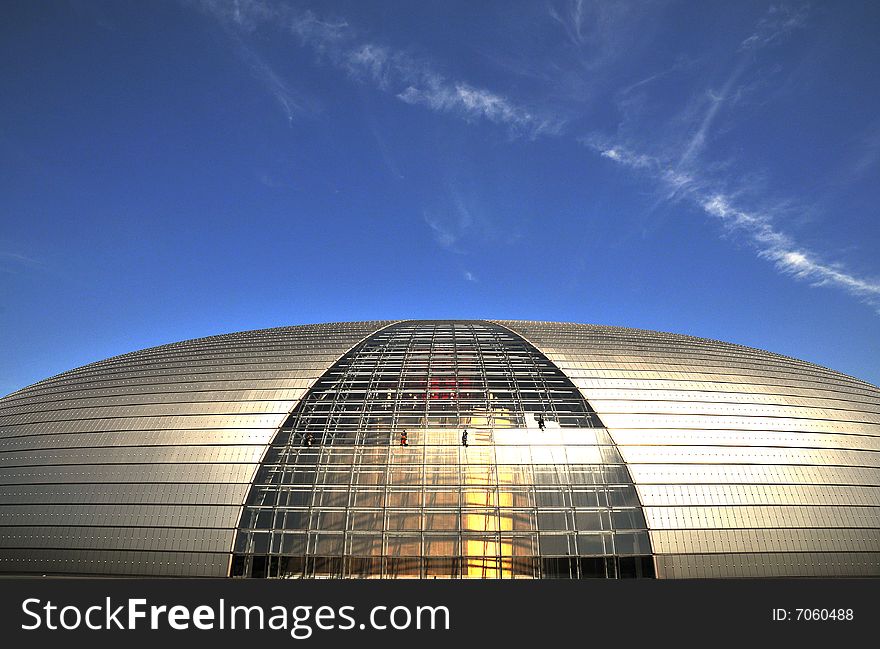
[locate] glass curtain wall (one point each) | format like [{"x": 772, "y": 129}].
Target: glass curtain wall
[{"x": 443, "y": 449}]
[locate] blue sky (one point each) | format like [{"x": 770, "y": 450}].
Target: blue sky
[{"x": 170, "y": 170}]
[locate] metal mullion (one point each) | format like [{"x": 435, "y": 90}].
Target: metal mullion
[
  {"x": 516, "y": 394},
  {"x": 338, "y": 389},
  {"x": 456, "y": 370},
  {"x": 404, "y": 363},
  {"x": 379, "y": 364},
  {"x": 481, "y": 364},
  {"x": 545, "y": 394},
  {"x": 429, "y": 374}
]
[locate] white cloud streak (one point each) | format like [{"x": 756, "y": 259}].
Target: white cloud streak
[
  {"x": 470, "y": 103},
  {"x": 460, "y": 224},
  {"x": 442, "y": 233},
  {"x": 453, "y": 225},
  {"x": 12, "y": 262},
  {"x": 597, "y": 31},
  {"x": 571, "y": 17},
  {"x": 408, "y": 78},
  {"x": 626, "y": 157},
  {"x": 698, "y": 140},
  {"x": 274, "y": 83},
  {"x": 756, "y": 227},
  {"x": 868, "y": 153},
  {"x": 782, "y": 251},
  {"x": 778, "y": 22}
]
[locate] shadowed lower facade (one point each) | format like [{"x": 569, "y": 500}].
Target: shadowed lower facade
[{"x": 443, "y": 449}]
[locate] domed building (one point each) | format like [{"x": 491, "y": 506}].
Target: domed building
[{"x": 443, "y": 449}]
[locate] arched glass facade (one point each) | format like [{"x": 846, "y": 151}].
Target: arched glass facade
[{"x": 371, "y": 477}]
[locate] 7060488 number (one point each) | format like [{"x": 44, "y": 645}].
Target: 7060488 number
[{"x": 821, "y": 614}]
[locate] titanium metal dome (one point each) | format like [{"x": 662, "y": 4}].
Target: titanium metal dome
[{"x": 591, "y": 452}]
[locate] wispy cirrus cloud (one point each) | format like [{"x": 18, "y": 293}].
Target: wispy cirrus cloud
[
  {"x": 757, "y": 227},
  {"x": 14, "y": 262},
  {"x": 461, "y": 224},
  {"x": 779, "y": 21},
  {"x": 443, "y": 232},
  {"x": 407, "y": 77},
  {"x": 275, "y": 84},
  {"x": 471, "y": 103},
  {"x": 597, "y": 31},
  {"x": 626, "y": 157},
  {"x": 243, "y": 17},
  {"x": 454, "y": 224},
  {"x": 716, "y": 100},
  {"x": 785, "y": 254},
  {"x": 571, "y": 15},
  {"x": 422, "y": 85},
  {"x": 681, "y": 173},
  {"x": 867, "y": 153}
]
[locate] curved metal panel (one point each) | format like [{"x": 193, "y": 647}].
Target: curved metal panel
[
  {"x": 139, "y": 464},
  {"x": 747, "y": 463}
]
